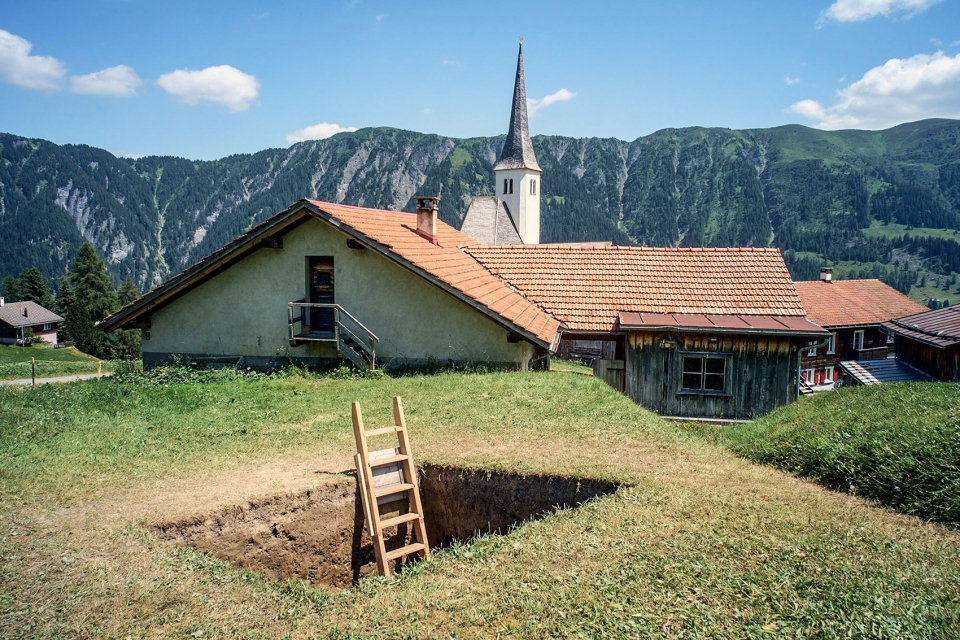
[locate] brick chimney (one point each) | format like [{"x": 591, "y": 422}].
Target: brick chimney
[
  {"x": 826, "y": 274},
  {"x": 427, "y": 209}
]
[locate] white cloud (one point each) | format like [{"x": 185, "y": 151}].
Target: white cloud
[
  {"x": 790, "y": 80},
  {"x": 120, "y": 81},
  {"x": 450, "y": 63},
  {"x": 317, "y": 132},
  {"x": 924, "y": 86},
  {"x": 380, "y": 16},
  {"x": 224, "y": 85},
  {"x": 534, "y": 105},
  {"x": 18, "y": 67},
  {"x": 857, "y": 10}
]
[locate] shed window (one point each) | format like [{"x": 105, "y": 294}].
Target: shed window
[
  {"x": 533, "y": 187},
  {"x": 704, "y": 373},
  {"x": 889, "y": 338}
]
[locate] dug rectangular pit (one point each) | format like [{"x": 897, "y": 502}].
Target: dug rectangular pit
[{"x": 319, "y": 535}]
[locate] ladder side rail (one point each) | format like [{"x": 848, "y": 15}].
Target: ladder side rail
[
  {"x": 419, "y": 528},
  {"x": 365, "y": 497},
  {"x": 374, "y": 510}
]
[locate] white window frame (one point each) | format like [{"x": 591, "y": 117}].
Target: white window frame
[
  {"x": 832, "y": 344},
  {"x": 807, "y": 375},
  {"x": 47, "y": 326},
  {"x": 810, "y": 353},
  {"x": 828, "y": 377},
  {"x": 889, "y": 337},
  {"x": 858, "y": 340}
]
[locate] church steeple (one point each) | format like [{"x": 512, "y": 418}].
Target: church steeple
[{"x": 518, "y": 149}]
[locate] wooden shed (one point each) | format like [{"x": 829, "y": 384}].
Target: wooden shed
[
  {"x": 695, "y": 332},
  {"x": 929, "y": 341}
]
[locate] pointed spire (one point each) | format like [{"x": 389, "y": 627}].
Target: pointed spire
[{"x": 518, "y": 149}]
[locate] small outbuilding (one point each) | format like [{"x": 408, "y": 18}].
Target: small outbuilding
[
  {"x": 695, "y": 332},
  {"x": 929, "y": 341}
]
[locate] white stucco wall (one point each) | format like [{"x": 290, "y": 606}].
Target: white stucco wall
[
  {"x": 243, "y": 310},
  {"x": 524, "y": 206}
]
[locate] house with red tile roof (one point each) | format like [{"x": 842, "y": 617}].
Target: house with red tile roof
[
  {"x": 321, "y": 281},
  {"x": 853, "y": 312},
  {"x": 696, "y": 332}
]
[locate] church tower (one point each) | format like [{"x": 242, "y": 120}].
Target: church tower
[{"x": 517, "y": 171}]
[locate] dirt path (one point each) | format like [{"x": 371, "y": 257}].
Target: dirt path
[{"x": 53, "y": 380}]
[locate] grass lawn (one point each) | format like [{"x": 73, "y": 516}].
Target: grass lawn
[
  {"x": 50, "y": 362},
  {"x": 698, "y": 544}
]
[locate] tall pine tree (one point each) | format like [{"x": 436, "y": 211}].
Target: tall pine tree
[{"x": 91, "y": 283}]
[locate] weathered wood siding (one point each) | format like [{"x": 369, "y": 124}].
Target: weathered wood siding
[
  {"x": 761, "y": 374},
  {"x": 942, "y": 364}
]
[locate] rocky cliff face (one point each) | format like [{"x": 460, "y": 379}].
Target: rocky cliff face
[{"x": 793, "y": 187}]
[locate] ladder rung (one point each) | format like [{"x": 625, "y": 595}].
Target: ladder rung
[
  {"x": 392, "y": 489},
  {"x": 393, "y": 522},
  {"x": 404, "y": 551},
  {"x": 380, "y": 432},
  {"x": 379, "y": 462}
]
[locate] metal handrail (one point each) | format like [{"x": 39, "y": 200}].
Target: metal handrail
[{"x": 329, "y": 305}]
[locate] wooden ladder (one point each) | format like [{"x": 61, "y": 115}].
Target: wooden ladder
[{"x": 384, "y": 476}]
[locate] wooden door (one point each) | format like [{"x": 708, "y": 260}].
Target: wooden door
[{"x": 321, "y": 291}]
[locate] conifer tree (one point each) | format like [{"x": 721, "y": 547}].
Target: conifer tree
[
  {"x": 92, "y": 284},
  {"x": 33, "y": 286},
  {"x": 11, "y": 288},
  {"x": 128, "y": 292},
  {"x": 126, "y": 343}
]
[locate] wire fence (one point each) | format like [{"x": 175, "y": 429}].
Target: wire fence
[{"x": 38, "y": 369}]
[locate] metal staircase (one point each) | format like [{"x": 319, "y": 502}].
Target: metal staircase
[{"x": 351, "y": 338}]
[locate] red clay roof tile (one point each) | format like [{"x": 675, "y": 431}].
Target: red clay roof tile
[
  {"x": 842, "y": 303},
  {"x": 585, "y": 287}
]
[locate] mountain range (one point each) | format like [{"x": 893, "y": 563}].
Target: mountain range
[{"x": 885, "y": 201}]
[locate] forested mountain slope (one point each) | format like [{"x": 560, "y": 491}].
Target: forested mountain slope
[{"x": 847, "y": 197}]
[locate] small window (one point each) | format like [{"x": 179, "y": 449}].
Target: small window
[
  {"x": 832, "y": 344},
  {"x": 807, "y": 375},
  {"x": 890, "y": 338},
  {"x": 830, "y": 375},
  {"x": 811, "y": 353},
  {"x": 858, "y": 339},
  {"x": 533, "y": 187},
  {"x": 511, "y": 185},
  {"x": 46, "y": 326},
  {"x": 505, "y": 183},
  {"x": 704, "y": 374}
]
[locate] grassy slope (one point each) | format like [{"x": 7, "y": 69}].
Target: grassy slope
[
  {"x": 702, "y": 544},
  {"x": 15, "y": 361},
  {"x": 899, "y": 444}
]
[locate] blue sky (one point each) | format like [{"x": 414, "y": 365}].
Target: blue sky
[{"x": 207, "y": 79}]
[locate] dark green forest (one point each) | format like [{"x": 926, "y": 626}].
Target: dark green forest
[{"x": 871, "y": 203}]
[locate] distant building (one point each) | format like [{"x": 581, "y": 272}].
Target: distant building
[
  {"x": 852, "y": 311},
  {"x": 929, "y": 341},
  {"x": 20, "y": 318}
]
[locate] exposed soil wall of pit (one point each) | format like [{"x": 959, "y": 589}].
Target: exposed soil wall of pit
[{"x": 319, "y": 535}]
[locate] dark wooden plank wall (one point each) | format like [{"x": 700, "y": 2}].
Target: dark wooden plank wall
[
  {"x": 761, "y": 374},
  {"x": 942, "y": 364}
]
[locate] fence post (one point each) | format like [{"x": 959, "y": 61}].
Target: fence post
[
  {"x": 33, "y": 371},
  {"x": 99, "y": 367}
]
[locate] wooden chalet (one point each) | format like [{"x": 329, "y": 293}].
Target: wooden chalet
[
  {"x": 698, "y": 333},
  {"x": 852, "y": 311},
  {"x": 929, "y": 341}
]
